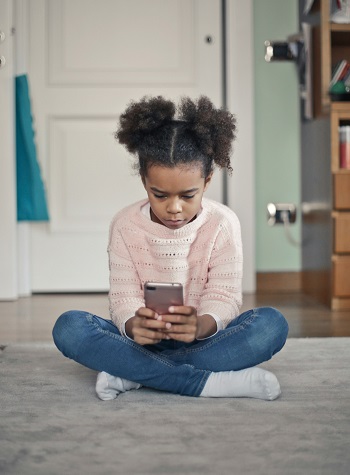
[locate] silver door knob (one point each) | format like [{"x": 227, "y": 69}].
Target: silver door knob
[{"x": 2, "y": 61}]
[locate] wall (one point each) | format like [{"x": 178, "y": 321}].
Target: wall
[{"x": 277, "y": 135}]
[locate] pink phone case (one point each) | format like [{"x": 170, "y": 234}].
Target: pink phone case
[{"x": 159, "y": 296}]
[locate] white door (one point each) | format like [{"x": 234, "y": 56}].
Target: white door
[{"x": 87, "y": 60}]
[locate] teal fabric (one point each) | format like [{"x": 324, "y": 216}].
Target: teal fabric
[{"x": 31, "y": 199}]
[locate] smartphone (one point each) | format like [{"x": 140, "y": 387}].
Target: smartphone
[{"x": 159, "y": 296}]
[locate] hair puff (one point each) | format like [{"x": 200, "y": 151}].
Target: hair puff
[
  {"x": 141, "y": 119},
  {"x": 212, "y": 129}
]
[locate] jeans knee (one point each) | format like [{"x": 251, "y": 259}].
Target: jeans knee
[
  {"x": 275, "y": 327},
  {"x": 67, "y": 330},
  {"x": 281, "y": 325}
]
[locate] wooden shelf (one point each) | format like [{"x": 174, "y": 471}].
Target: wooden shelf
[
  {"x": 331, "y": 45},
  {"x": 343, "y": 171},
  {"x": 341, "y": 231},
  {"x": 341, "y": 271},
  {"x": 343, "y": 107},
  {"x": 340, "y": 304},
  {"x": 344, "y": 27},
  {"x": 341, "y": 191},
  {"x": 340, "y": 113}
]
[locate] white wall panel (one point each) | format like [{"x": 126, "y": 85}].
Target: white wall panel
[
  {"x": 101, "y": 51},
  {"x": 89, "y": 174}
]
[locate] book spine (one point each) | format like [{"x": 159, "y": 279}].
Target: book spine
[
  {"x": 344, "y": 72},
  {"x": 338, "y": 72}
]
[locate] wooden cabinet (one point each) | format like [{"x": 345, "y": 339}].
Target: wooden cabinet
[
  {"x": 340, "y": 115},
  {"x": 331, "y": 45},
  {"x": 341, "y": 282},
  {"x": 341, "y": 233},
  {"x": 341, "y": 190}
]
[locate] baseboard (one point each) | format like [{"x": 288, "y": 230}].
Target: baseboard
[
  {"x": 340, "y": 304},
  {"x": 278, "y": 282}
]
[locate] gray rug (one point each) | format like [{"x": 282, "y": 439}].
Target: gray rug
[{"x": 51, "y": 422}]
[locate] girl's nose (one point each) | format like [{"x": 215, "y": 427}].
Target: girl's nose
[{"x": 174, "y": 207}]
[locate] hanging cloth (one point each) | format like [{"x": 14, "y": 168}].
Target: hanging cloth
[{"x": 31, "y": 199}]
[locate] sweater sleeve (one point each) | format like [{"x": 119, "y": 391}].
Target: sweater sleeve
[
  {"x": 222, "y": 293},
  {"x": 125, "y": 289}
]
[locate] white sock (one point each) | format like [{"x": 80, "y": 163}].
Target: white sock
[
  {"x": 108, "y": 387},
  {"x": 251, "y": 382}
]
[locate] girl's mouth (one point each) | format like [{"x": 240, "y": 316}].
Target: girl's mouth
[{"x": 171, "y": 223}]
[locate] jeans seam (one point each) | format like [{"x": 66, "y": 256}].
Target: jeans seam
[
  {"x": 219, "y": 336},
  {"x": 136, "y": 346},
  {"x": 202, "y": 383}
]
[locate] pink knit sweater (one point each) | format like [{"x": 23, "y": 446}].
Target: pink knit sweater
[{"x": 204, "y": 255}]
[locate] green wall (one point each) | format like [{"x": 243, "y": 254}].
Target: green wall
[{"x": 277, "y": 135}]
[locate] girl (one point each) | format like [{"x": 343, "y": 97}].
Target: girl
[{"x": 203, "y": 348}]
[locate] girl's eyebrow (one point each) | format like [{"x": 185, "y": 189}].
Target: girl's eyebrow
[{"x": 156, "y": 190}]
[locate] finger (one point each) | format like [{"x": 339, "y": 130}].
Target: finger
[
  {"x": 176, "y": 318},
  {"x": 152, "y": 335},
  {"x": 182, "y": 310},
  {"x": 185, "y": 337},
  {"x": 145, "y": 312},
  {"x": 154, "y": 324},
  {"x": 185, "y": 329}
]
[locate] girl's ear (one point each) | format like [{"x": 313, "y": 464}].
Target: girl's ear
[{"x": 208, "y": 180}]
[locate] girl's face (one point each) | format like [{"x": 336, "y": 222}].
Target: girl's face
[{"x": 175, "y": 194}]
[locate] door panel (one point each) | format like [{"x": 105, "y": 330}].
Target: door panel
[
  {"x": 87, "y": 173},
  {"x": 118, "y": 43},
  {"x": 87, "y": 60}
]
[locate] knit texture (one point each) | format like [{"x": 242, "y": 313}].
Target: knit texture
[{"x": 204, "y": 255}]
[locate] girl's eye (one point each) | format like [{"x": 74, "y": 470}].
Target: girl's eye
[{"x": 185, "y": 197}]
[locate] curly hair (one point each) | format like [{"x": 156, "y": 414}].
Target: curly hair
[{"x": 201, "y": 133}]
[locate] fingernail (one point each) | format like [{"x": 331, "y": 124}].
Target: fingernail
[
  {"x": 168, "y": 325},
  {"x": 171, "y": 309},
  {"x": 159, "y": 317},
  {"x": 167, "y": 337}
]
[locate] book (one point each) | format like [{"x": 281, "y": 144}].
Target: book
[
  {"x": 338, "y": 71},
  {"x": 344, "y": 72}
]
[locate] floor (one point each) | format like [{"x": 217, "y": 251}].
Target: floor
[{"x": 31, "y": 319}]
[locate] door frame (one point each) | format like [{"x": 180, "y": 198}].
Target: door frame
[
  {"x": 8, "y": 213},
  {"x": 240, "y": 100},
  {"x": 240, "y": 192}
]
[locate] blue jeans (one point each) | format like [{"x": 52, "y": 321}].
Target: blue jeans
[{"x": 176, "y": 367}]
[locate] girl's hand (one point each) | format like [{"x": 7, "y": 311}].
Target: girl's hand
[
  {"x": 186, "y": 325},
  {"x": 145, "y": 328}
]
